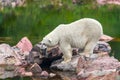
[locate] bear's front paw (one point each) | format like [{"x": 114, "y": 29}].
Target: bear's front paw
[
  {"x": 84, "y": 54},
  {"x": 87, "y": 58},
  {"x": 66, "y": 61}
]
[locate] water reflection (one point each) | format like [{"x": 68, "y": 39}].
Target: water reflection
[{"x": 59, "y": 76}]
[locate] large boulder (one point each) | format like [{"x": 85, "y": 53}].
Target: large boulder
[
  {"x": 70, "y": 66},
  {"x": 12, "y": 57},
  {"x": 7, "y": 61},
  {"x": 93, "y": 69}
]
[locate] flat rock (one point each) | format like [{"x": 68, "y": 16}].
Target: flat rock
[{"x": 70, "y": 66}]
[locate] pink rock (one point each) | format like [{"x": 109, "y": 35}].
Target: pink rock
[
  {"x": 106, "y": 38},
  {"x": 102, "y": 2},
  {"x": 28, "y": 74},
  {"x": 24, "y": 44},
  {"x": 44, "y": 74},
  {"x": 97, "y": 69},
  {"x": 22, "y": 72},
  {"x": 110, "y": 76}
]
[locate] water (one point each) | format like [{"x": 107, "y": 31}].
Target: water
[
  {"x": 59, "y": 76},
  {"x": 115, "y": 45}
]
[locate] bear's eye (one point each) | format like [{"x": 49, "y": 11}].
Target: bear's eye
[
  {"x": 50, "y": 40},
  {"x": 43, "y": 44}
]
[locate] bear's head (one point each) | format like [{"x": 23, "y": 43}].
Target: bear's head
[{"x": 49, "y": 42}]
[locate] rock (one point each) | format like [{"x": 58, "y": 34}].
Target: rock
[
  {"x": 24, "y": 45},
  {"x": 5, "y": 51},
  {"x": 110, "y": 76},
  {"x": 70, "y": 66},
  {"x": 52, "y": 74},
  {"x": 22, "y": 72},
  {"x": 102, "y": 47},
  {"x": 7, "y": 61},
  {"x": 64, "y": 75},
  {"x": 102, "y": 66},
  {"x": 27, "y": 74},
  {"x": 44, "y": 74},
  {"x": 7, "y": 74},
  {"x": 105, "y": 38},
  {"x": 36, "y": 55},
  {"x": 12, "y": 57},
  {"x": 102, "y": 2},
  {"x": 36, "y": 70},
  {"x": 12, "y": 3}
]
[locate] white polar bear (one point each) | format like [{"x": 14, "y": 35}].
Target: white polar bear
[{"x": 83, "y": 33}]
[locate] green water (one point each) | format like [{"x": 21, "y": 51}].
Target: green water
[{"x": 115, "y": 45}]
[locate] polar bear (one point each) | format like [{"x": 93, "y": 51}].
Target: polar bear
[{"x": 83, "y": 33}]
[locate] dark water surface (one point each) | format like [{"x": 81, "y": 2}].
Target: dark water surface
[
  {"x": 115, "y": 45},
  {"x": 59, "y": 76}
]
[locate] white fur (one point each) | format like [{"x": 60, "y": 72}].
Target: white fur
[{"x": 83, "y": 33}]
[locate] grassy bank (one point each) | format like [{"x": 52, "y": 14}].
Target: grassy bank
[{"x": 35, "y": 21}]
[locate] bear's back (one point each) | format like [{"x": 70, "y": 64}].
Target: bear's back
[
  {"x": 86, "y": 23},
  {"x": 82, "y": 26},
  {"x": 81, "y": 31}
]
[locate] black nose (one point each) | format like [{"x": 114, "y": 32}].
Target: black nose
[{"x": 44, "y": 51}]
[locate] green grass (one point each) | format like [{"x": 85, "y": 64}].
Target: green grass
[{"x": 35, "y": 22}]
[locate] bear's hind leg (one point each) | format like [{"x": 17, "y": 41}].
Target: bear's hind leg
[{"x": 88, "y": 50}]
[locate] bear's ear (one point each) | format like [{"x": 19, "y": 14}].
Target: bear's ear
[{"x": 50, "y": 40}]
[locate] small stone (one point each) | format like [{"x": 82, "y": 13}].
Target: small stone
[
  {"x": 44, "y": 74},
  {"x": 52, "y": 74}
]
